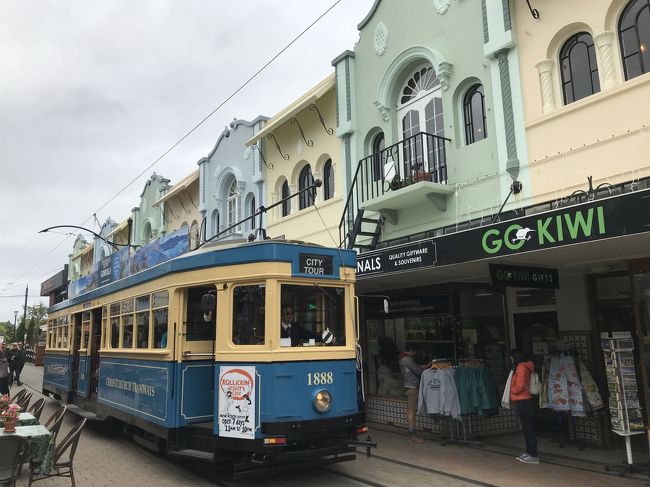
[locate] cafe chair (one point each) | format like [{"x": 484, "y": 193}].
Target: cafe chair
[
  {"x": 37, "y": 408},
  {"x": 24, "y": 401},
  {"x": 18, "y": 396},
  {"x": 63, "y": 456},
  {"x": 54, "y": 423},
  {"x": 12, "y": 449}
]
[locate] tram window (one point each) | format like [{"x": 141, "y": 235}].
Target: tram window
[
  {"x": 197, "y": 328},
  {"x": 142, "y": 327},
  {"x": 160, "y": 328},
  {"x": 248, "y": 315},
  {"x": 85, "y": 329},
  {"x": 160, "y": 302},
  {"x": 318, "y": 311},
  {"x": 104, "y": 326},
  {"x": 115, "y": 325},
  {"x": 127, "y": 323}
]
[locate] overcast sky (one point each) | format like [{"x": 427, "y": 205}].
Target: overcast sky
[{"x": 92, "y": 92}]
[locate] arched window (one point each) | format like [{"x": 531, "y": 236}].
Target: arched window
[
  {"x": 306, "y": 179},
  {"x": 252, "y": 208},
  {"x": 328, "y": 180},
  {"x": 215, "y": 222},
  {"x": 474, "y": 110},
  {"x": 379, "y": 157},
  {"x": 233, "y": 204},
  {"x": 579, "y": 67},
  {"x": 147, "y": 234},
  {"x": 194, "y": 235},
  {"x": 634, "y": 35},
  {"x": 286, "y": 202},
  {"x": 420, "y": 110}
]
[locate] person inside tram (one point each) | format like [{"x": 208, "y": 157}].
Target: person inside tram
[{"x": 294, "y": 333}]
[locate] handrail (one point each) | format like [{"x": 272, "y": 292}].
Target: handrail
[{"x": 419, "y": 157}]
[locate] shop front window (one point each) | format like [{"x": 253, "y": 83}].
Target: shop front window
[{"x": 423, "y": 323}]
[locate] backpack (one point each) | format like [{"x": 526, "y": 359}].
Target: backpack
[{"x": 535, "y": 386}]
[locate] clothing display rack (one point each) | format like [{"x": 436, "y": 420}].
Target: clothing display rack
[{"x": 460, "y": 429}]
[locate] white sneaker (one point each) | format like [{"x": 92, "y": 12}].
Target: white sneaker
[
  {"x": 529, "y": 459},
  {"x": 522, "y": 456}
]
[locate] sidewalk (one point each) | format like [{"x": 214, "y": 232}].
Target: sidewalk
[{"x": 493, "y": 464}]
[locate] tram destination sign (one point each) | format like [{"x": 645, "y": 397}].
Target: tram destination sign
[
  {"x": 316, "y": 264},
  {"x": 524, "y": 276}
]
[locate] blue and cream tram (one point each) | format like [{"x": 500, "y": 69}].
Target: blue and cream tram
[{"x": 190, "y": 354}]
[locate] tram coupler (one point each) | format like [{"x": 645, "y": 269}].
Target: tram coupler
[{"x": 367, "y": 444}]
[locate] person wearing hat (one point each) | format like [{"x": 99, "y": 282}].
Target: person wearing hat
[{"x": 16, "y": 363}]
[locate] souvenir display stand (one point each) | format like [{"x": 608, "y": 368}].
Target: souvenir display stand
[{"x": 624, "y": 406}]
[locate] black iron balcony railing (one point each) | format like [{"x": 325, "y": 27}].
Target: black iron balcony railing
[{"x": 421, "y": 157}]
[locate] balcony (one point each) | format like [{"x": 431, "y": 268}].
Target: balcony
[{"x": 400, "y": 176}]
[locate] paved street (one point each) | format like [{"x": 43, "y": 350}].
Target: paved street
[{"x": 106, "y": 458}]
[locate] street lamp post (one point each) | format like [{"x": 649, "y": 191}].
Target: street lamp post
[{"x": 15, "y": 318}]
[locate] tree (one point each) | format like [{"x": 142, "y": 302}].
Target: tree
[
  {"x": 7, "y": 330},
  {"x": 29, "y": 331}
]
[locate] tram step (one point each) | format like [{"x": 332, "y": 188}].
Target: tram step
[
  {"x": 197, "y": 454},
  {"x": 74, "y": 409}
]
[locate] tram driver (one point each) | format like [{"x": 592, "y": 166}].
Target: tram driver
[{"x": 292, "y": 334}]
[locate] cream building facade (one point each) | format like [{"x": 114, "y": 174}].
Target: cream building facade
[
  {"x": 300, "y": 146},
  {"x": 585, "y": 90}
]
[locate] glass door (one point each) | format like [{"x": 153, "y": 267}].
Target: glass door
[{"x": 642, "y": 304}]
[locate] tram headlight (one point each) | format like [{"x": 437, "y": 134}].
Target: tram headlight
[{"x": 322, "y": 400}]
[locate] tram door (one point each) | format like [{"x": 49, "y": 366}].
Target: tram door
[
  {"x": 197, "y": 352},
  {"x": 76, "y": 343},
  {"x": 95, "y": 344}
]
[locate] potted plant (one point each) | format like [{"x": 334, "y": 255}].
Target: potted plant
[
  {"x": 5, "y": 400},
  {"x": 11, "y": 417}
]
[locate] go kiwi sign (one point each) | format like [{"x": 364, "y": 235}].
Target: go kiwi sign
[{"x": 626, "y": 214}]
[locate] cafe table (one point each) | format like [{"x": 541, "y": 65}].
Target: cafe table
[
  {"x": 24, "y": 419},
  {"x": 40, "y": 446}
]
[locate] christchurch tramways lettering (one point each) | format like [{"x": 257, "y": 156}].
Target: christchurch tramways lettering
[
  {"x": 547, "y": 230},
  {"x": 127, "y": 385},
  {"x": 57, "y": 369}
]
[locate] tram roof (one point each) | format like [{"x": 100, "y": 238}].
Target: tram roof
[{"x": 221, "y": 254}]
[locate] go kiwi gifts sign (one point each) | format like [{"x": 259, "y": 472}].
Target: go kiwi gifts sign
[{"x": 626, "y": 214}]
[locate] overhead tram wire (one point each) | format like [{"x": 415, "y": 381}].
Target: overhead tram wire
[{"x": 193, "y": 129}]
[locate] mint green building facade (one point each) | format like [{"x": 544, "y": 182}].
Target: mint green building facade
[
  {"x": 430, "y": 115},
  {"x": 411, "y": 73}
]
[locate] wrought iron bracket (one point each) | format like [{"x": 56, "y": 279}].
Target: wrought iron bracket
[
  {"x": 322, "y": 121},
  {"x": 269, "y": 165},
  {"x": 284, "y": 156},
  {"x": 309, "y": 142},
  {"x": 533, "y": 11}
]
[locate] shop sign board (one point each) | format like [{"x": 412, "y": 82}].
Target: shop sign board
[
  {"x": 237, "y": 402},
  {"x": 618, "y": 216},
  {"x": 399, "y": 258},
  {"x": 524, "y": 276}
]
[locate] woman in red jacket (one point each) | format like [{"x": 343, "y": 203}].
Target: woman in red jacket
[{"x": 524, "y": 403}]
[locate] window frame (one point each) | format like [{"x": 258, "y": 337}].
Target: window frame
[
  {"x": 329, "y": 186},
  {"x": 567, "y": 54},
  {"x": 286, "y": 202},
  {"x": 471, "y": 115},
  {"x": 231, "y": 336},
  {"x": 305, "y": 180},
  {"x": 625, "y": 13}
]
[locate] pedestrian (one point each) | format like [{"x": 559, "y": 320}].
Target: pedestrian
[
  {"x": 523, "y": 402},
  {"x": 411, "y": 373},
  {"x": 4, "y": 370},
  {"x": 16, "y": 364}
]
